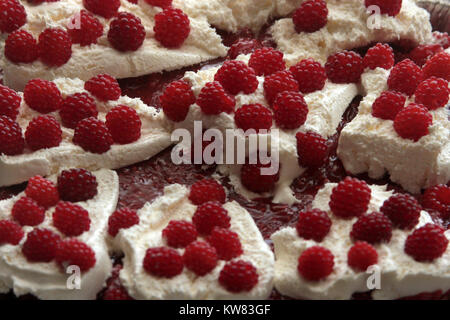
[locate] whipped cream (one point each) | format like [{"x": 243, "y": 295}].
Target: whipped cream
[{"x": 48, "y": 280}]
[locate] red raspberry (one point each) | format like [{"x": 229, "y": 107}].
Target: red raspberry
[
  {"x": 11, "y": 139},
  {"x": 290, "y": 110},
  {"x": 93, "y": 136},
  {"x": 442, "y": 38},
  {"x": 235, "y": 76},
  {"x": 207, "y": 190},
  {"x": 163, "y": 262},
  {"x": 77, "y": 107},
  {"x": 13, "y": 15},
  {"x": 422, "y": 53},
  {"x": 104, "y": 8},
  {"x": 426, "y": 243},
  {"x": 266, "y": 61},
  {"x": 226, "y": 242},
  {"x": 43, "y": 191},
  {"x": 254, "y": 180},
  {"x": 315, "y": 263},
  {"x": 103, "y": 87},
  {"x": 344, "y": 67},
  {"x": 172, "y": 27},
  {"x": 277, "y": 83},
  {"x": 122, "y": 219},
  {"x": 76, "y": 185},
  {"x": 438, "y": 198},
  {"x": 389, "y": 7},
  {"x": 114, "y": 289},
  {"x": 176, "y": 100},
  {"x": 405, "y": 77},
  {"x": 213, "y": 99},
  {"x": 43, "y": 132},
  {"x": 40, "y": 245},
  {"x": 361, "y": 256},
  {"x": 21, "y": 47},
  {"x": 311, "y": 16},
  {"x": 373, "y": 228},
  {"x": 243, "y": 46},
  {"x": 433, "y": 93},
  {"x": 159, "y": 3},
  {"x": 388, "y": 105},
  {"x": 253, "y": 116},
  {"x": 238, "y": 276},
  {"x": 71, "y": 219},
  {"x": 42, "y": 96},
  {"x": 124, "y": 124},
  {"x": 413, "y": 122},
  {"x": 438, "y": 66},
  {"x": 209, "y": 215},
  {"x": 55, "y": 47},
  {"x": 9, "y": 102},
  {"x": 200, "y": 257},
  {"x": 310, "y": 75},
  {"x": 179, "y": 234},
  {"x": 403, "y": 210},
  {"x": 28, "y": 212},
  {"x": 126, "y": 32},
  {"x": 312, "y": 149},
  {"x": 73, "y": 252},
  {"x": 84, "y": 28},
  {"x": 10, "y": 232},
  {"x": 350, "y": 198},
  {"x": 379, "y": 56},
  {"x": 314, "y": 224}
]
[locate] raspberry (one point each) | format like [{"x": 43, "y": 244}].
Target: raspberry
[
  {"x": 10, "y": 232},
  {"x": 277, "y": 83},
  {"x": 235, "y": 76},
  {"x": 43, "y": 191},
  {"x": 426, "y": 243},
  {"x": 344, "y": 67},
  {"x": 122, "y": 219},
  {"x": 310, "y": 75},
  {"x": 438, "y": 66},
  {"x": 200, "y": 257},
  {"x": 93, "y": 136},
  {"x": 403, "y": 210},
  {"x": 413, "y": 122},
  {"x": 438, "y": 198},
  {"x": 312, "y": 149},
  {"x": 388, "y": 105},
  {"x": 315, "y": 263},
  {"x": 238, "y": 276},
  {"x": 207, "y": 190},
  {"x": 21, "y": 47},
  {"x": 159, "y": 3},
  {"x": 209, "y": 215},
  {"x": 379, "y": 56},
  {"x": 126, "y": 32},
  {"x": 442, "y": 38},
  {"x": 13, "y": 15},
  {"x": 405, "y": 77},
  {"x": 311, "y": 16},
  {"x": 176, "y": 100},
  {"x": 40, "y": 245},
  {"x": 28, "y": 212},
  {"x": 213, "y": 99},
  {"x": 172, "y": 27},
  {"x": 55, "y": 47},
  {"x": 243, "y": 46},
  {"x": 314, "y": 224},
  {"x": 389, "y": 7},
  {"x": 124, "y": 124},
  {"x": 76, "y": 185},
  {"x": 11, "y": 139},
  {"x": 266, "y": 61},
  {"x": 9, "y": 102},
  {"x": 77, "y": 107},
  {"x": 73, "y": 252},
  {"x": 71, "y": 219},
  {"x": 361, "y": 256},
  {"x": 163, "y": 262},
  {"x": 103, "y": 87},
  {"x": 114, "y": 289},
  {"x": 84, "y": 28},
  {"x": 350, "y": 198},
  {"x": 43, "y": 132},
  {"x": 422, "y": 53},
  {"x": 226, "y": 242},
  {"x": 433, "y": 93},
  {"x": 253, "y": 116},
  {"x": 253, "y": 179},
  {"x": 290, "y": 110},
  {"x": 105, "y": 8},
  {"x": 373, "y": 228},
  {"x": 179, "y": 234},
  {"x": 42, "y": 96}
]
